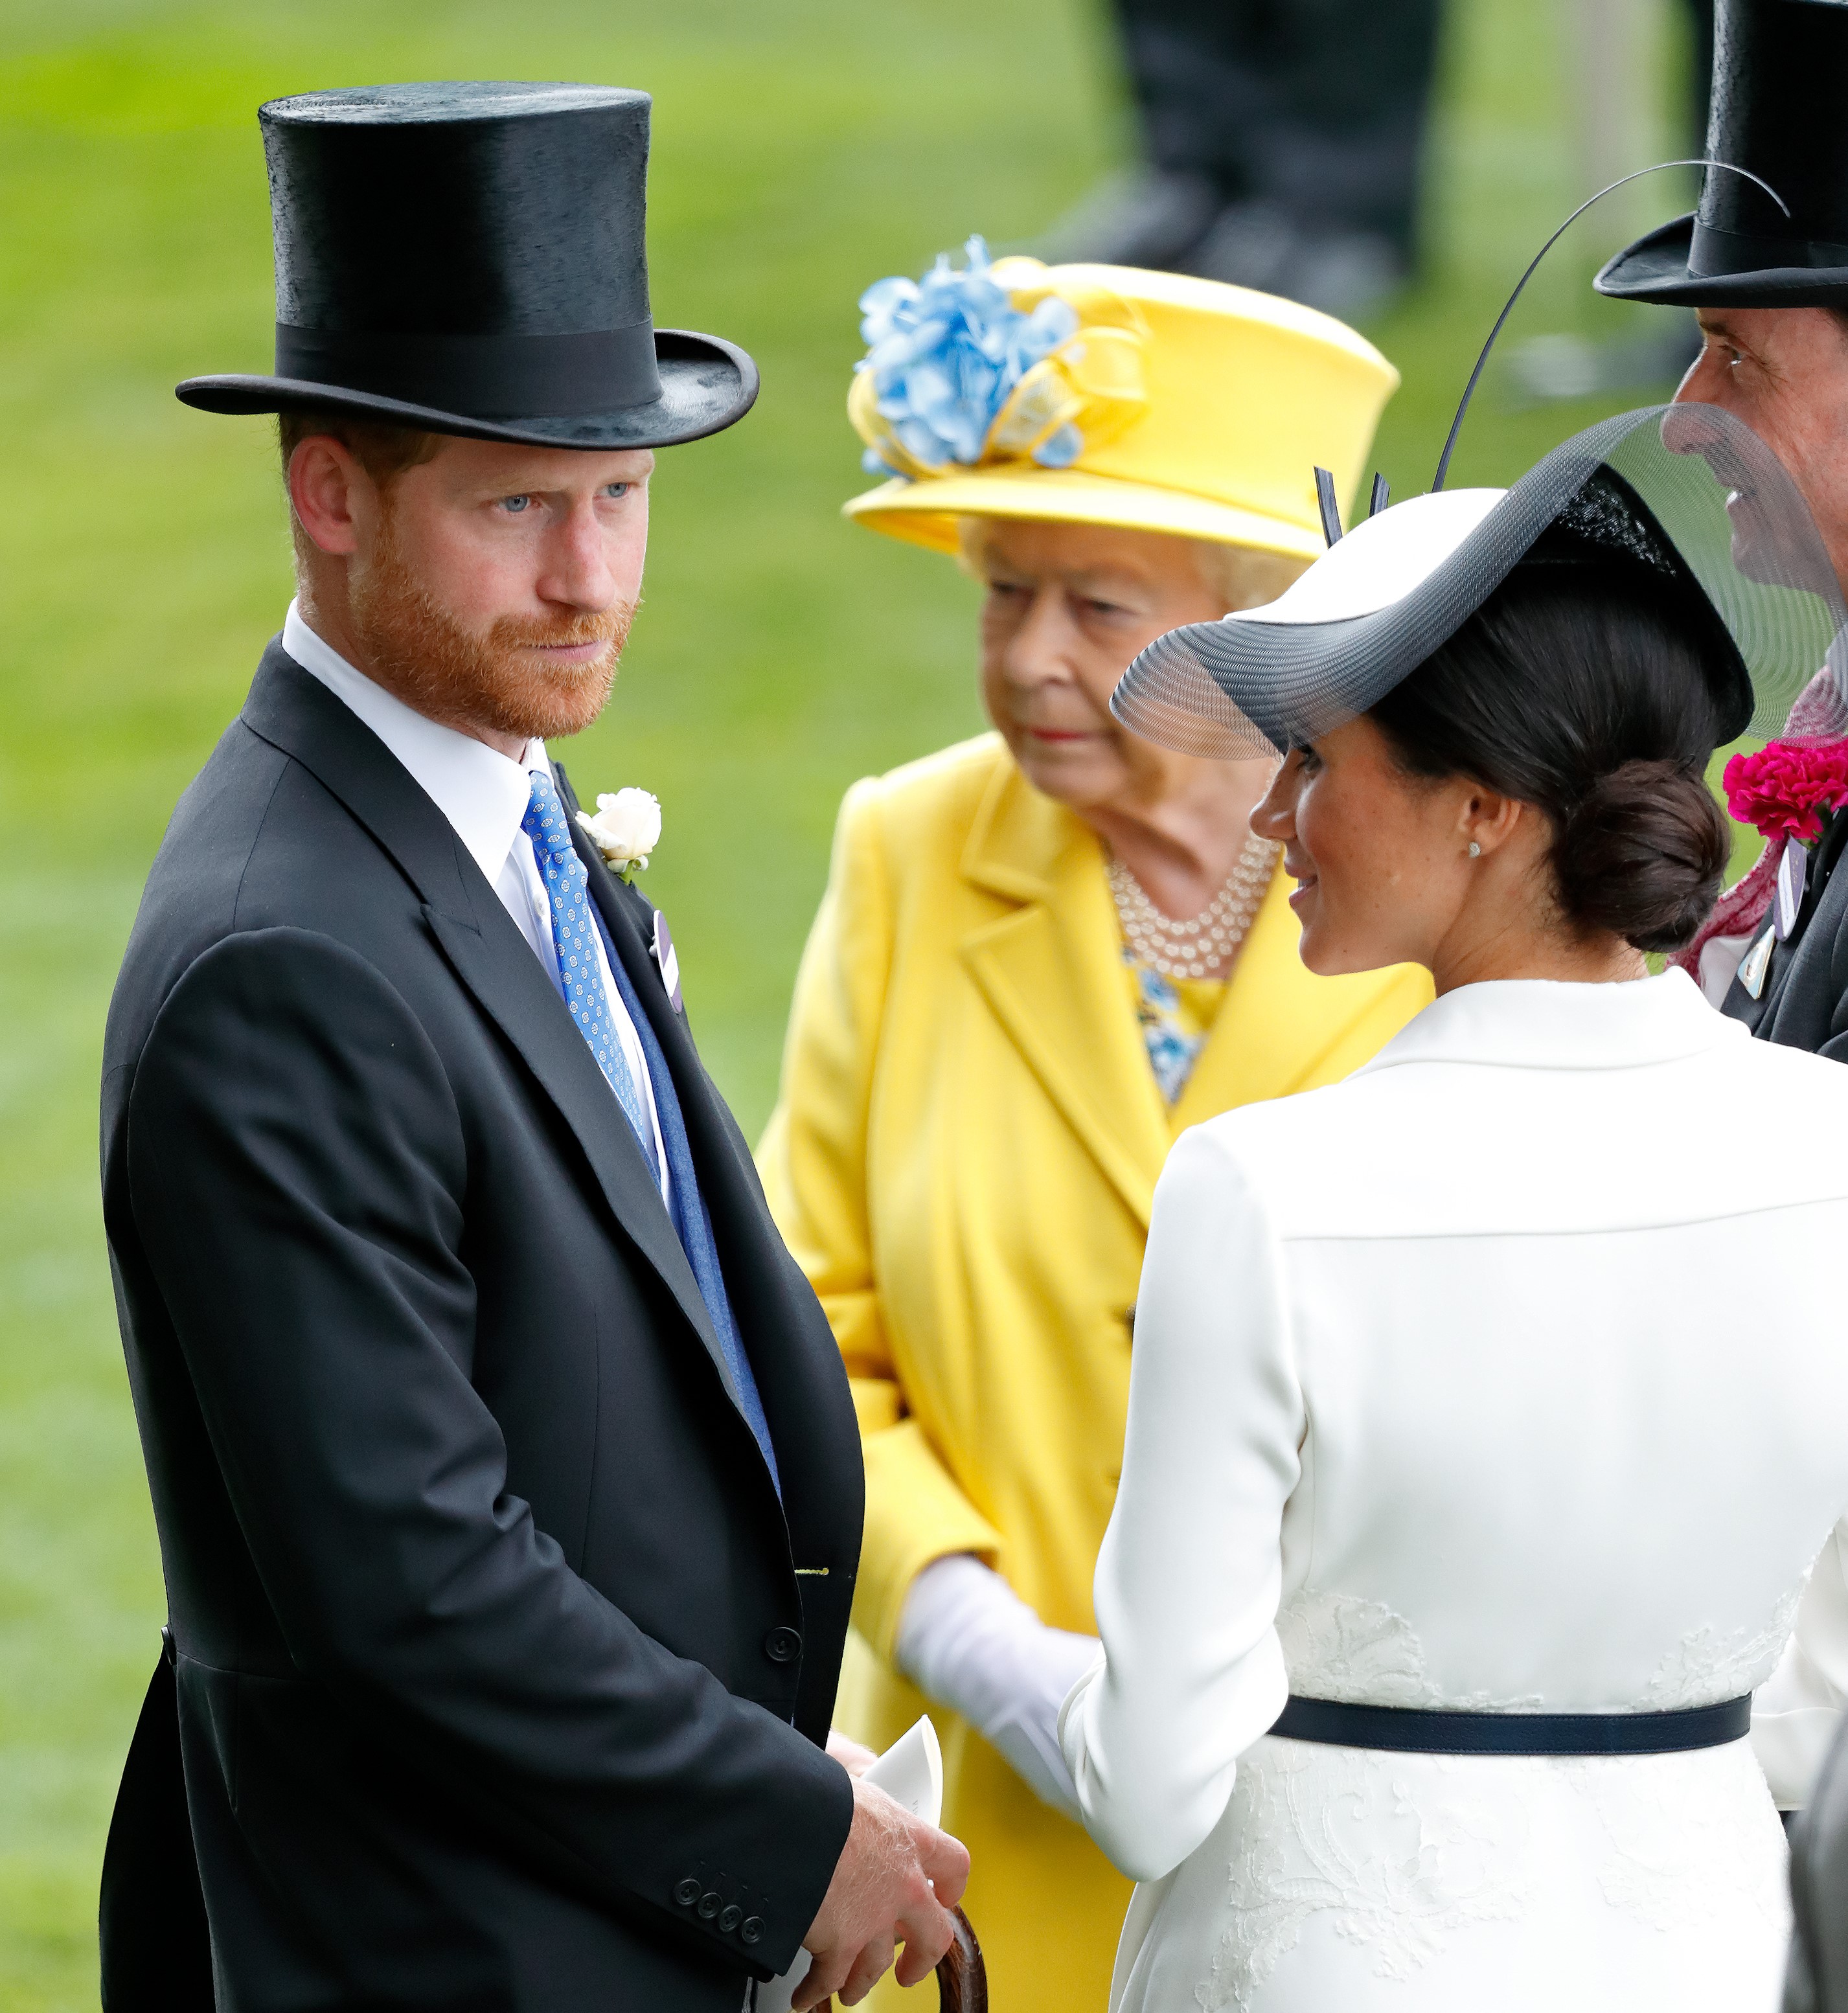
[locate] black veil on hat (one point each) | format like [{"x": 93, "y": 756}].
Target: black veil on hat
[
  {"x": 1687, "y": 495},
  {"x": 1780, "y": 78},
  {"x": 471, "y": 258}
]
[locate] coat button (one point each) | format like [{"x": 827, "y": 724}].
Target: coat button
[
  {"x": 752, "y": 1931},
  {"x": 783, "y": 1646},
  {"x": 709, "y": 1907},
  {"x": 729, "y": 1918},
  {"x": 687, "y": 1892}
]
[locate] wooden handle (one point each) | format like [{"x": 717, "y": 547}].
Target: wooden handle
[{"x": 962, "y": 1977}]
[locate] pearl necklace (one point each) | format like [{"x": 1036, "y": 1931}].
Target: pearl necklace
[{"x": 1205, "y": 945}]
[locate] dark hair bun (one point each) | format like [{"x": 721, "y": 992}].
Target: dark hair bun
[
  {"x": 1642, "y": 854},
  {"x": 1589, "y": 693}
]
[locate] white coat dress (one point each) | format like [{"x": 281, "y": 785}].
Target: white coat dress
[{"x": 1510, "y": 1374}]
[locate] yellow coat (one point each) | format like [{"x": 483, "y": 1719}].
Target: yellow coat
[{"x": 963, "y": 1161}]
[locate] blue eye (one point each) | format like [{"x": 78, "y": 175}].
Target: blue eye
[
  {"x": 515, "y": 504},
  {"x": 617, "y": 488}
]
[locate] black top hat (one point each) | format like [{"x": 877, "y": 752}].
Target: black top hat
[
  {"x": 470, "y": 258},
  {"x": 1780, "y": 70}
]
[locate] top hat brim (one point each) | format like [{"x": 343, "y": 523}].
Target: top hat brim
[
  {"x": 1655, "y": 269},
  {"x": 707, "y": 384}
]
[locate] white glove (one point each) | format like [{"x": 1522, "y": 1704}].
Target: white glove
[{"x": 969, "y": 1641}]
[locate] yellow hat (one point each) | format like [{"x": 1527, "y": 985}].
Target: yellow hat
[{"x": 1147, "y": 400}]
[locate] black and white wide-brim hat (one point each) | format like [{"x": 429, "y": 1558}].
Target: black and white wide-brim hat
[
  {"x": 471, "y": 258},
  {"x": 1686, "y": 494}
]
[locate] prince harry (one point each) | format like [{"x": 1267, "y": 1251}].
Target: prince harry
[{"x": 507, "y": 1482}]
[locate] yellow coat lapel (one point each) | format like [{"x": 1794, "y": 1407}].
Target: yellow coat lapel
[{"x": 1051, "y": 971}]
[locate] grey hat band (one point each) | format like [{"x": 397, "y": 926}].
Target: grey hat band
[
  {"x": 491, "y": 376},
  {"x": 1716, "y": 254}
]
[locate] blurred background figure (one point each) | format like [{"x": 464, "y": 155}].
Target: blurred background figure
[
  {"x": 1622, "y": 120},
  {"x": 1282, "y": 143},
  {"x": 1282, "y": 146},
  {"x": 1042, "y": 954}
]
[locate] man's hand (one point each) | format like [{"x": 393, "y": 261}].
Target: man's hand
[
  {"x": 854, "y": 1758},
  {"x": 895, "y": 1881}
]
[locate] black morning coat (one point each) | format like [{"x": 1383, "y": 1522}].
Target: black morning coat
[
  {"x": 1817, "y": 1979},
  {"x": 500, "y": 1669},
  {"x": 1804, "y": 1000}
]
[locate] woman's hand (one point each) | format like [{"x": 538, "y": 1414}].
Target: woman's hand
[{"x": 967, "y": 1640}]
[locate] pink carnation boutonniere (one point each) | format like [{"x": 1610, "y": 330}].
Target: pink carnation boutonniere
[{"x": 1790, "y": 790}]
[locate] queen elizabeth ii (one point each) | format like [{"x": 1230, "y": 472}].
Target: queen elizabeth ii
[{"x": 1042, "y": 954}]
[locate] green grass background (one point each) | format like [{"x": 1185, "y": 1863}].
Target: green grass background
[{"x": 803, "y": 148}]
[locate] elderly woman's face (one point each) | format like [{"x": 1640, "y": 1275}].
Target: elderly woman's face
[{"x": 1068, "y": 607}]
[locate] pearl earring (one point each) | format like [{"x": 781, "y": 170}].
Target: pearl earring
[{"x": 1475, "y": 850}]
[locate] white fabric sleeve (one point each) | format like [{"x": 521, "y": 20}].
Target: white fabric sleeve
[
  {"x": 1191, "y": 1573},
  {"x": 1796, "y": 1712},
  {"x": 969, "y": 1641}
]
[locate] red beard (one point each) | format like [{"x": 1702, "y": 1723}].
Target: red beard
[{"x": 423, "y": 655}]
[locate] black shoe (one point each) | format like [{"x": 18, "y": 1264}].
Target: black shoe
[
  {"x": 1256, "y": 244},
  {"x": 1141, "y": 217}
]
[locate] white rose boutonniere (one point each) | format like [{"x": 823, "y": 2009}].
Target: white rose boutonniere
[{"x": 626, "y": 828}]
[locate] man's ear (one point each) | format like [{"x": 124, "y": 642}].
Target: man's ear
[{"x": 335, "y": 501}]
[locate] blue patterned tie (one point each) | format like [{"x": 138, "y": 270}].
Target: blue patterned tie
[{"x": 580, "y": 978}]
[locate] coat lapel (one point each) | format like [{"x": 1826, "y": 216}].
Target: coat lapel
[
  {"x": 1760, "y": 1015},
  {"x": 785, "y": 1334},
  {"x": 498, "y": 966},
  {"x": 295, "y": 713},
  {"x": 1051, "y": 972}
]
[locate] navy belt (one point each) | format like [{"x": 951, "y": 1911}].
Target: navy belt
[{"x": 1413, "y": 1730}]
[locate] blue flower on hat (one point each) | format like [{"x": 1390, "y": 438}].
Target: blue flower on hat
[{"x": 946, "y": 352}]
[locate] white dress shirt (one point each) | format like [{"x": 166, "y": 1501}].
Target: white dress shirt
[{"x": 484, "y": 797}]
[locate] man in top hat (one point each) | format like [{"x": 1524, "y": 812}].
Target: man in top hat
[
  {"x": 1771, "y": 291},
  {"x": 507, "y": 1481}
]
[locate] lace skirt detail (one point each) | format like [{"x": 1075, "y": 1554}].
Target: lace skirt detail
[{"x": 1345, "y": 1881}]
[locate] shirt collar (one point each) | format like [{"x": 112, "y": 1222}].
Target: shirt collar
[{"x": 482, "y": 794}]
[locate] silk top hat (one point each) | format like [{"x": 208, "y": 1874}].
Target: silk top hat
[
  {"x": 471, "y": 258},
  {"x": 1780, "y": 74}
]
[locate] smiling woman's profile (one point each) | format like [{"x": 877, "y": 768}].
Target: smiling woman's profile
[{"x": 1530, "y": 801}]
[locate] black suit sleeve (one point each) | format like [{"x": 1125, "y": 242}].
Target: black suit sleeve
[{"x": 297, "y": 1169}]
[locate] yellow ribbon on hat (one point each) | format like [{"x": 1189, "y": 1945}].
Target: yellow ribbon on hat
[{"x": 1095, "y": 380}]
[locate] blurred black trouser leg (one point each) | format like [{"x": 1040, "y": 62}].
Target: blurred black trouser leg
[
  {"x": 1700, "y": 69},
  {"x": 1315, "y": 107}
]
